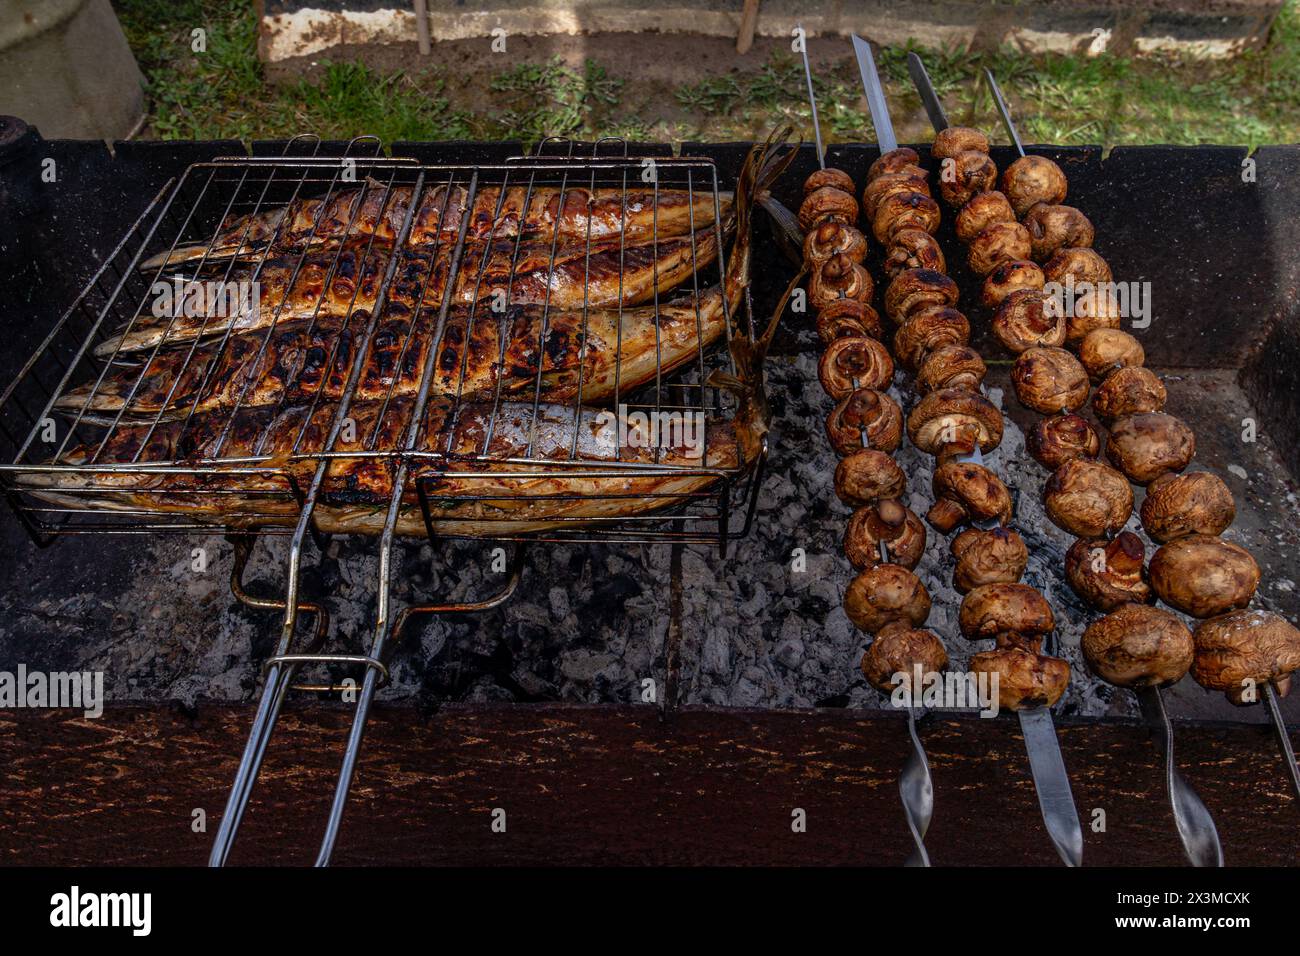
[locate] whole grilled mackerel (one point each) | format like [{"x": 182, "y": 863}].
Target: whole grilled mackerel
[
  {"x": 562, "y": 355},
  {"x": 602, "y": 274},
  {"x": 278, "y": 448},
  {"x": 374, "y": 209}
]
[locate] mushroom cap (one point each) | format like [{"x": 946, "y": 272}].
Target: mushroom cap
[
  {"x": 1031, "y": 180},
  {"x": 982, "y": 211},
  {"x": 1054, "y": 441},
  {"x": 888, "y": 521},
  {"x": 854, "y": 362},
  {"x": 916, "y": 289},
  {"x": 1148, "y": 445},
  {"x": 1128, "y": 391},
  {"x": 951, "y": 416},
  {"x": 910, "y": 210},
  {"x": 865, "y": 410},
  {"x": 1244, "y": 646},
  {"x": 908, "y": 179},
  {"x": 993, "y": 610},
  {"x": 913, "y": 249},
  {"x": 827, "y": 203},
  {"x": 1107, "y": 574},
  {"x": 951, "y": 366},
  {"x": 897, "y": 650},
  {"x": 958, "y": 139},
  {"x": 1079, "y": 265},
  {"x": 965, "y": 490},
  {"x": 1137, "y": 645},
  {"x": 1203, "y": 576},
  {"x": 996, "y": 556},
  {"x": 886, "y": 594},
  {"x": 1091, "y": 312},
  {"x": 867, "y": 475},
  {"x": 1088, "y": 499},
  {"x": 833, "y": 238},
  {"x": 1179, "y": 505},
  {"x": 1049, "y": 380},
  {"x": 893, "y": 160},
  {"x": 1102, "y": 351},
  {"x": 929, "y": 329},
  {"x": 839, "y": 277},
  {"x": 1053, "y": 227},
  {"x": 999, "y": 242},
  {"x": 830, "y": 176},
  {"x": 1025, "y": 320},
  {"x": 1013, "y": 276},
  {"x": 845, "y": 318},
  {"x": 1025, "y": 679},
  {"x": 965, "y": 175}
]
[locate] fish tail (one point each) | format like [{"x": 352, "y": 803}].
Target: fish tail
[{"x": 762, "y": 167}]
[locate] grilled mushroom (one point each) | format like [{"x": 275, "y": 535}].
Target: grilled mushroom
[
  {"x": 865, "y": 418},
  {"x": 966, "y": 491},
  {"x": 999, "y": 243},
  {"x": 1015, "y": 614},
  {"x": 1054, "y": 441},
  {"x": 915, "y": 289},
  {"x": 1031, "y": 180},
  {"x": 952, "y": 366},
  {"x": 886, "y": 521},
  {"x": 913, "y": 249},
  {"x": 1010, "y": 277},
  {"x": 846, "y": 318},
  {"x": 885, "y": 594},
  {"x": 893, "y": 161},
  {"x": 997, "y": 556},
  {"x": 1053, "y": 227},
  {"x": 1179, "y": 505},
  {"x": 1138, "y": 646},
  {"x": 1107, "y": 574},
  {"x": 851, "y": 363},
  {"x": 834, "y": 178},
  {"x": 1203, "y": 576},
  {"x": 1024, "y": 679},
  {"x": 953, "y": 420},
  {"x": 914, "y": 210},
  {"x": 1077, "y": 265},
  {"x": 1088, "y": 499},
  {"x": 909, "y": 179},
  {"x": 929, "y": 329},
  {"x": 839, "y": 277},
  {"x": 1025, "y": 321},
  {"x": 981, "y": 212},
  {"x": 868, "y": 475},
  {"x": 1092, "y": 311},
  {"x": 827, "y": 204},
  {"x": 1049, "y": 380},
  {"x": 1148, "y": 445},
  {"x": 1104, "y": 350},
  {"x": 898, "y": 650},
  {"x": 834, "y": 239},
  {"x": 1239, "y": 651},
  {"x": 1128, "y": 391},
  {"x": 958, "y": 139},
  {"x": 965, "y": 175}
]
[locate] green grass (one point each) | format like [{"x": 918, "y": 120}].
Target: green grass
[{"x": 1111, "y": 100}]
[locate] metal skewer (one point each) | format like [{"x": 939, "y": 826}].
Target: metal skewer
[
  {"x": 812, "y": 97},
  {"x": 1283, "y": 737},
  {"x": 1052, "y": 783},
  {"x": 1003, "y": 111}
]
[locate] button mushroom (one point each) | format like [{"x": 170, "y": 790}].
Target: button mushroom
[
  {"x": 893, "y": 161},
  {"x": 830, "y": 176},
  {"x": 1202, "y": 575},
  {"x": 833, "y": 239},
  {"x": 1054, "y": 441},
  {"x": 915, "y": 289},
  {"x": 1088, "y": 499},
  {"x": 913, "y": 210},
  {"x": 1031, "y": 180},
  {"x": 996, "y": 556},
  {"x": 966, "y": 491},
  {"x": 1148, "y": 445},
  {"x": 854, "y": 362},
  {"x": 865, "y": 418},
  {"x": 909, "y": 179},
  {"x": 839, "y": 277},
  {"x": 885, "y": 594},
  {"x": 1138, "y": 646},
  {"x": 1128, "y": 391},
  {"x": 981, "y": 212},
  {"x": 958, "y": 139},
  {"x": 868, "y": 475},
  {"x": 1107, "y": 574},
  {"x": 1079, "y": 266},
  {"x": 929, "y": 329},
  {"x": 1049, "y": 380},
  {"x": 827, "y": 204},
  {"x": 1237, "y": 652},
  {"x": 1011, "y": 277},
  {"x": 952, "y": 366},
  {"x": 1014, "y": 614},
  {"x": 1091, "y": 312},
  {"x": 965, "y": 175},
  {"x": 1179, "y": 505},
  {"x": 845, "y": 318},
  {"x": 1001, "y": 242},
  {"x": 1104, "y": 350},
  {"x": 1054, "y": 227},
  {"x": 913, "y": 249},
  {"x": 899, "y": 650},
  {"x": 1024, "y": 321},
  {"x": 1025, "y": 679},
  {"x": 888, "y": 522},
  {"x": 953, "y": 420}
]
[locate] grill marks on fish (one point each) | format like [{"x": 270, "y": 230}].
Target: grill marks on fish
[{"x": 378, "y": 210}]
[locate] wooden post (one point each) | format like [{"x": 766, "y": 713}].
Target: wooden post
[
  {"x": 748, "y": 21},
  {"x": 422, "y": 26}
]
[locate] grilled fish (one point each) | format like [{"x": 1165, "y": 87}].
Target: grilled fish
[
  {"x": 375, "y": 209},
  {"x": 605, "y": 274}
]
